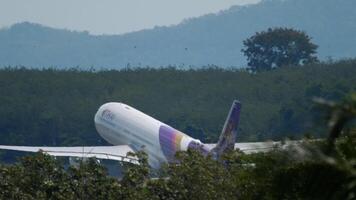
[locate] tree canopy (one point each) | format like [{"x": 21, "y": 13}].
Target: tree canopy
[
  {"x": 308, "y": 172},
  {"x": 279, "y": 47},
  {"x": 56, "y": 107}
]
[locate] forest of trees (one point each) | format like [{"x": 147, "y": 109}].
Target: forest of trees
[
  {"x": 56, "y": 107},
  {"x": 322, "y": 170},
  {"x": 286, "y": 93}
]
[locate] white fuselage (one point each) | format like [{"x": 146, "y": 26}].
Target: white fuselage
[{"x": 120, "y": 124}]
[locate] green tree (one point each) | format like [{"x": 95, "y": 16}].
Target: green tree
[
  {"x": 279, "y": 47},
  {"x": 135, "y": 177},
  {"x": 91, "y": 181}
]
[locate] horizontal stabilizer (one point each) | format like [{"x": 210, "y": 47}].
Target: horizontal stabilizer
[{"x": 260, "y": 147}]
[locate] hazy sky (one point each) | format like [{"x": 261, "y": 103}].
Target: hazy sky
[{"x": 108, "y": 16}]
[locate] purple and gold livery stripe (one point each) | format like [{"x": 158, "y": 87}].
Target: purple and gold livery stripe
[{"x": 170, "y": 141}]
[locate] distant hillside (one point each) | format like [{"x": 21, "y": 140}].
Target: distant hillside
[{"x": 211, "y": 39}]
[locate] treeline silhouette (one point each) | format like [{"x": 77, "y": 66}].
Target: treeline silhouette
[{"x": 56, "y": 107}]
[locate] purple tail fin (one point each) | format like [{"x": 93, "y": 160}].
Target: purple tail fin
[{"x": 228, "y": 135}]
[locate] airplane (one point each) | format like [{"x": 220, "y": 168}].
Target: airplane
[{"x": 130, "y": 130}]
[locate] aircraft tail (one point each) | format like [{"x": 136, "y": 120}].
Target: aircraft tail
[{"x": 229, "y": 132}]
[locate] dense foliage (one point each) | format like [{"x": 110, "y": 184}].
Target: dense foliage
[
  {"x": 279, "y": 47},
  {"x": 316, "y": 170},
  {"x": 273, "y": 175},
  {"x": 308, "y": 171},
  {"x": 56, "y": 107}
]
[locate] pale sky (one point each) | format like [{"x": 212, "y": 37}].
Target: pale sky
[{"x": 108, "y": 16}]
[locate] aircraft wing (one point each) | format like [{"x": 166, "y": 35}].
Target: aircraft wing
[
  {"x": 256, "y": 147},
  {"x": 101, "y": 152}
]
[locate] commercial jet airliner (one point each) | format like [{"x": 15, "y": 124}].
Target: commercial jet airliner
[{"x": 130, "y": 130}]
